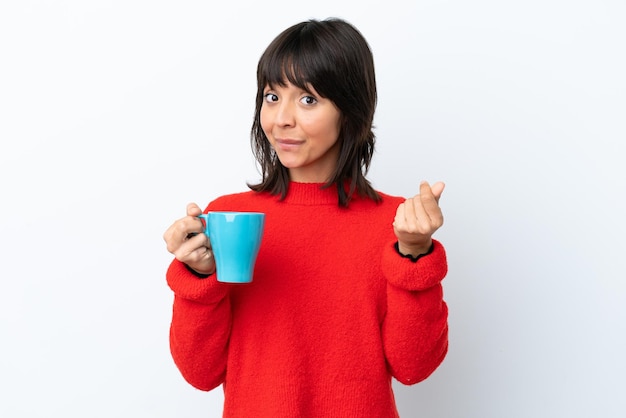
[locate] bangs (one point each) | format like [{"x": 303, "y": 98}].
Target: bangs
[{"x": 299, "y": 61}]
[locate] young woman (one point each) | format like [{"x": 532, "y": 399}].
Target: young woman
[{"x": 347, "y": 285}]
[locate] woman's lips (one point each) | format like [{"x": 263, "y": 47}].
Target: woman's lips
[{"x": 288, "y": 144}]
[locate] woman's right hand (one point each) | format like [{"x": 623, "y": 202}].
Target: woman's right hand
[{"x": 186, "y": 239}]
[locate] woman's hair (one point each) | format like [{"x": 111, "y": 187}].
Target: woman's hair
[{"x": 334, "y": 58}]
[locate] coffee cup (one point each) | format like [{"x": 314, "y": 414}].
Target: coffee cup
[{"x": 235, "y": 240}]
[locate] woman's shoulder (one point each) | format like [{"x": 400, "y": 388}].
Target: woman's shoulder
[
  {"x": 238, "y": 201},
  {"x": 385, "y": 203},
  {"x": 389, "y": 199}
]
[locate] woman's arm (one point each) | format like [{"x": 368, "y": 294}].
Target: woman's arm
[
  {"x": 200, "y": 326},
  {"x": 415, "y": 329}
]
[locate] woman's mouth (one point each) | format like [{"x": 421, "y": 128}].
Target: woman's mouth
[{"x": 288, "y": 144}]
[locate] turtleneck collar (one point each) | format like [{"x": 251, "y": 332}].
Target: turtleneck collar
[{"x": 311, "y": 194}]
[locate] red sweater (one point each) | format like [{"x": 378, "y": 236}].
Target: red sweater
[{"x": 333, "y": 312}]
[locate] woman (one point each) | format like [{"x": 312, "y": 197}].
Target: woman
[{"x": 347, "y": 285}]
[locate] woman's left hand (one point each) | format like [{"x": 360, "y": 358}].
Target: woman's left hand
[{"x": 417, "y": 219}]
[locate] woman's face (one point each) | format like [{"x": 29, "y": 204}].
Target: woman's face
[{"x": 303, "y": 128}]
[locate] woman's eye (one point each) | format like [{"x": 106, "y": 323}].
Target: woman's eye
[
  {"x": 271, "y": 97},
  {"x": 308, "y": 100}
]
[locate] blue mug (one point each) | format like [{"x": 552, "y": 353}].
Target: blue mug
[{"x": 235, "y": 239}]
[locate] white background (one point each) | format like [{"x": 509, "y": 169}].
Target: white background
[{"x": 114, "y": 115}]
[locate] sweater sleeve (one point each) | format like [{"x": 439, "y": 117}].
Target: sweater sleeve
[
  {"x": 415, "y": 328},
  {"x": 200, "y": 326}
]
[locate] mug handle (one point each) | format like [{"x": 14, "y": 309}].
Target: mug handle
[{"x": 205, "y": 220}]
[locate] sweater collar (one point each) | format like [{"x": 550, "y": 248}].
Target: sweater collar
[{"x": 311, "y": 194}]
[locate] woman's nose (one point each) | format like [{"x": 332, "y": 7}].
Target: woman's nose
[{"x": 285, "y": 115}]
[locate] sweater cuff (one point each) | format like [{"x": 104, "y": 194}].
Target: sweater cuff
[
  {"x": 423, "y": 273},
  {"x": 188, "y": 284}
]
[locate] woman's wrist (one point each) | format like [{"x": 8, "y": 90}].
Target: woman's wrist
[
  {"x": 414, "y": 252},
  {"x": 198, "y": 274}
]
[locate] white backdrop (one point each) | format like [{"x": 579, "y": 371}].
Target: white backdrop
[{"x": 115, "y": 114}]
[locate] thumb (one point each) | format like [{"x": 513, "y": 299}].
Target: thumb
[
  {"x": 437, "y": 189},
  {"x": 193, "y": 209}
]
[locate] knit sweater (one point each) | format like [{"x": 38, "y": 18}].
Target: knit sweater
[{"x": 333, "y": 312}]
